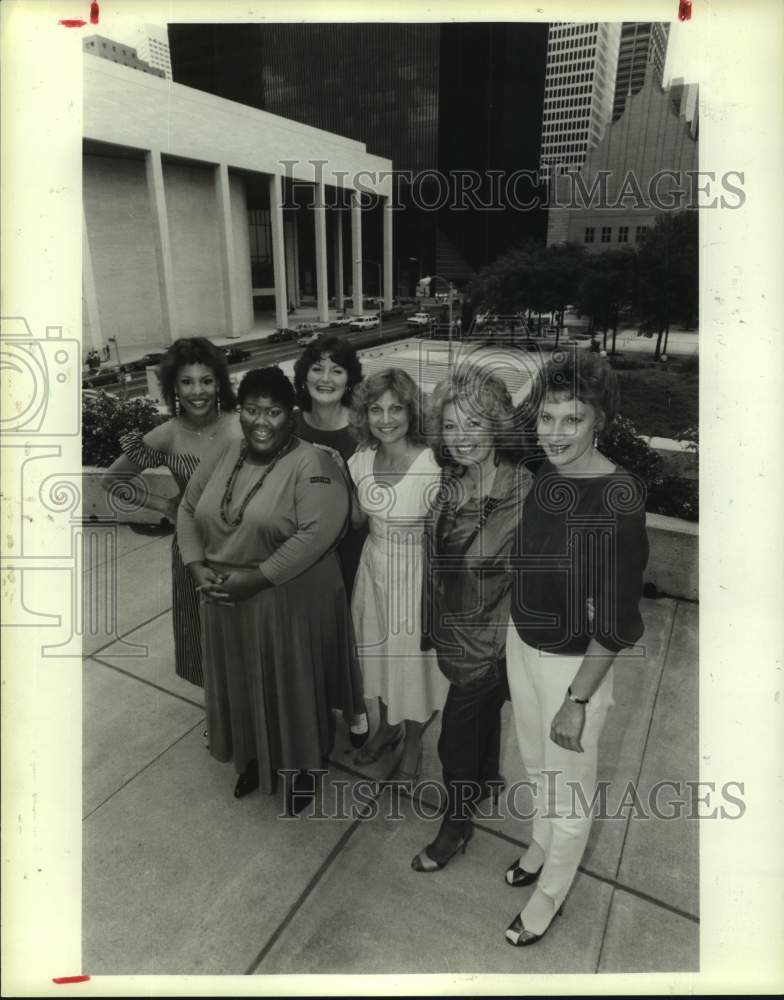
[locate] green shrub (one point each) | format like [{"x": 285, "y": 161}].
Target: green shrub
[
  {"x": 668, "y": 495},
  {"x": 106, "y": 418}
]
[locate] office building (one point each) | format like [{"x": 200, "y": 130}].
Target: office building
[
  {"x": 645, "y": 164},
  {"x": 117, "y": 52},
  {"x": 579, "y": 90},
  {"x": 440, "y": 100},
  {"x": 153, "y": 47},
  {"x": 642, "y": 42}
]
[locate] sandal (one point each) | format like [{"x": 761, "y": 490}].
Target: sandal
[{"x": 426, "y": 862}]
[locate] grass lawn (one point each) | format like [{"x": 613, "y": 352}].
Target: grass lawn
[{"x": 660, "y": 399}]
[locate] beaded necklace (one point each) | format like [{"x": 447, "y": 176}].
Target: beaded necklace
[{"x": 230, "y": 482}]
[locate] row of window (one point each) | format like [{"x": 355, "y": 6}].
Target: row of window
[{"x": 605, "y": 235}]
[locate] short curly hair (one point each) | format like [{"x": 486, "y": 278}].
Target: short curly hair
[
  {"x": 480, "y": 393},
  {"x": 573, "y": 373},
  {"x": 269, "y": 382},
  {"x": 403, "y": 387},
  {"x": 195, "y": 351},
  {"x": 341, "y": 352}
]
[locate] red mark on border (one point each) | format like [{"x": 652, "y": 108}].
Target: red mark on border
[
  {"x": 684, "y": 10},
  {"x": 64, "y": 980},
  {"x": 73, "y": 22}
]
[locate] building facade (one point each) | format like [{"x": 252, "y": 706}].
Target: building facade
[
  {"x": 117, "y": 52},
  {"x": 645, "y": 164},
  {"x": 171, "y": 178},
  {"x": 153, "y": 47},
  {"x": 446, "y": 102},
  {"x": 642, "y": 42},
  {"x": 582, "y": 60}
]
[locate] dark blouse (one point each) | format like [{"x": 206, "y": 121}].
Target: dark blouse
[
  {"x": 343, "y": 441},
  {"x": 466, "y": 578},
  {"x": 578, "y": 562}
]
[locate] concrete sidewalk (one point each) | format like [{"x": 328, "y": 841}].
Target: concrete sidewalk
[{"x": 180, "y": 877}]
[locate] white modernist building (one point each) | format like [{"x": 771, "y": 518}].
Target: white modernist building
[{"x": 170, "y": 175}]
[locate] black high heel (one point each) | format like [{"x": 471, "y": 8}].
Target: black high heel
[
  {"x": 248, "y": 781},
  {"x": 515, "y": 931},
  {"x": 425, "y": 862},
  {"x": 517, "y": 876}
]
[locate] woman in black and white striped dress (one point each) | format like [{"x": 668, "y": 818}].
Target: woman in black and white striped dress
[{"x": 196, "y": 387}]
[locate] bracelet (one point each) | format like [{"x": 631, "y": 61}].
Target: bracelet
[{"x": 577, "y": 701}]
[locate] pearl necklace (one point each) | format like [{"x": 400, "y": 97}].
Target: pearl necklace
[{"x": 228, "y": 491}]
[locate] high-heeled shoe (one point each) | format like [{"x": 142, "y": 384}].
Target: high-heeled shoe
[
  {"x": 517, "y": 935},
  {"x": 369, "y": 755},
  {"x": 425, "y": 862},
  {"x": 517, "y": 876},
  {"x": 248, "y": 781},
  {"x": 406, "y": 776}
]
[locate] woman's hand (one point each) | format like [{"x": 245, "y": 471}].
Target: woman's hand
[
  {"x": 237, "y": 585},
  {"x": 566, "y": 729},
  {"x": 208, "y": 581}
]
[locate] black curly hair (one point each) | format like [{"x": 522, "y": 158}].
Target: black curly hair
[
  {"x": 195, "y": 351},
  {"x": 340, "y": 352},
  {"x": 269, "y": 382}
]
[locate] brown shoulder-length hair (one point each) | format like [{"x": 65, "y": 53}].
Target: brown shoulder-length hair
[
  {"x": 195, "y": 351},
  {"x": 341, "y": 352},
  {"x": 403, "y": 387}
]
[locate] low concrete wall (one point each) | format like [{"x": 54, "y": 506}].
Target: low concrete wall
[
  {"x": 673, "y": 564},
  {"x": 96, "y": 506},
  {"x": 680, "y": 458}
]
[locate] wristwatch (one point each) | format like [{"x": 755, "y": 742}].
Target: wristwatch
[{"x": 577, "y": 701}]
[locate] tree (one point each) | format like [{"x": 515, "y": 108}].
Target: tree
[
  {"x": 607, "y": 285},
  {"x": 668, "y": 288}
]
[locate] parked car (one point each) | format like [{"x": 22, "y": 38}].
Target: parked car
[
  {"x": 141, "y": 363},
  {"x": 419, "y": 319},
  {"x": 341, "y": 321},
  {"x": 363, "y": 323},
  {"x": 281, "y": 335},
  {"x": 107, "y": 375},
  {"x": 235, "y": 354}
]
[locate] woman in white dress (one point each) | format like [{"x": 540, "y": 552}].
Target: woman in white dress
[{"x": 396, "y": 479}]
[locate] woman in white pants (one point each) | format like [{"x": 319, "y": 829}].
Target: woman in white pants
[{"x": 577, "y": 580}]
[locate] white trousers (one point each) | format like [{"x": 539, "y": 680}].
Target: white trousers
[{"x": 538, "y": 684}]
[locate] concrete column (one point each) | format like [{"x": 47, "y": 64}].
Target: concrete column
[
  {"x": 337, "y": 215},
  {"x": 227, "y": 257},
  {"x": 90, "y": 295},
  {"x": 294, "y": 291},
  {"x": 356, "y": 252},
  {"x": 278, "y": 250},
  {"x": 387, "y": 252},
  {"x": 154, "y": 170},
  {"x": 290, "y": 282},
  {"x": 322, "y": 281}
]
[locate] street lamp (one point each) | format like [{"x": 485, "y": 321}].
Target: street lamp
[{"x": 380, "y": 294}]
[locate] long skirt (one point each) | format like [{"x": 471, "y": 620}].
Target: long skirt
[
  {"x": 275, "y": 666},
  {"x": 185, "y": 621}
]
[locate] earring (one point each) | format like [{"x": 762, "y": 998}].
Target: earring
[
  {"x": 595, "y": 440},
  {"x": 176, "y": 406},
  {"x": 217, "y": 403}
]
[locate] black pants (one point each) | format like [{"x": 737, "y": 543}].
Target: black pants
[{"x": 470, "y": 744}]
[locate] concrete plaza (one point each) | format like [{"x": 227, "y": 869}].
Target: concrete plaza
[{"x": 180, "y": 877}]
